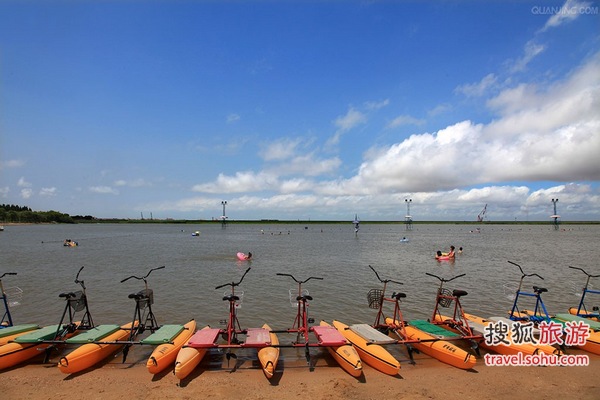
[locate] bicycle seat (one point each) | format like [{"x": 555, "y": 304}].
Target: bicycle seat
[
  {"x": 459, "y": 293},
  {"x": 69, "y": 295},
  {"x": 539, "y": 290},
  {"x": 231, "y": 297},
  {"x": 398, "y": 295},
  {"x": 304, "y": 297}
]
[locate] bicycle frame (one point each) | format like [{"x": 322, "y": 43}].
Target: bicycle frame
[
  {"x": 301, "y": 322},
  {"x": 584, "y": 291},
  {"x": 445, "y": 298},
  {"x": 76, "y": 301},
  {"x": 233, "y": 324},
  {"x": 143, "y": 307},
  {"x": 539, "y": 313},
  {"x": 378, "y": 299},
  {"x": 6, "y": 320}
]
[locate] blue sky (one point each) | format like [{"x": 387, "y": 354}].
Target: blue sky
[{"x": 301, "y": 110}]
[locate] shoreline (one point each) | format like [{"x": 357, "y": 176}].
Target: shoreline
[
  {"x": 243, "y": 378},
  {"x": 125, "y": 221}
]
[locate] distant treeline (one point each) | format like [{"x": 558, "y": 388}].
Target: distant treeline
[{"x": 23, "y": 214}]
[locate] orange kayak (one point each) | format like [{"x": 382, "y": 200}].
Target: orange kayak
[{"x": 90, "y": 354}]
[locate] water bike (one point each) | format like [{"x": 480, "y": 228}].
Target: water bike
[{"x": 417, "y": 335}]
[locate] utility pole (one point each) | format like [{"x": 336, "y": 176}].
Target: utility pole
[
  {"x": 555, "y": 216},
  {"x": 408, "y": 217},
  {"x": 223, "y": 217}
]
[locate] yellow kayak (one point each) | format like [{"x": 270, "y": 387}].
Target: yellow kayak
[
  {"x": 165, "y": 354},
  {"x": 346, "y": 356},
  {"x": 188, "y": 358},
  {"x": 373, "y": 354},
  {"x": 268, "y": 356}
]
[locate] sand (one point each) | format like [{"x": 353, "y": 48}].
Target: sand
[{"x": 215, "y": 378}]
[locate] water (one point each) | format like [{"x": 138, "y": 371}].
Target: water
[{"x": 185, "y": 289}]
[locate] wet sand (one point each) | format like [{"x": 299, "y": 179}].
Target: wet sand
[{"x": 243, "y": 379}]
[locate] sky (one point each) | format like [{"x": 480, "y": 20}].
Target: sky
[{"x": 289, "y": 110}]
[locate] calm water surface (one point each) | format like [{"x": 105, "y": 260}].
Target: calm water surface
[{"x": 185, "y": 289}]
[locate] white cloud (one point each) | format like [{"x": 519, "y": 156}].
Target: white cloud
[
  {"x": 231, "y": 118},
  {"x": 376, "y": 105},
  {"x": 140, "y": 182},
  {"x": 478, "y": 89},
  {"x": 439, "y": 109},
  {"x": 352, "y": 119},
  {"x": 26, "y": 193},
  {"x": 246, "y": 181},
  {"x": 280, "y": 149},
  {"x": 23, "y": 183},
  {"x": 48, "y": 192},
  {"x": 11, "y": 164},
  {"x": 103, "y": 190},
  {"x": 531, "y": 50},
  {"x": 404, "y": 120},
  {"x": 4, "y": 191}
]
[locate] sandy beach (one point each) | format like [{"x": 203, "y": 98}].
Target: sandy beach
[{"x": 243, "y": 379}]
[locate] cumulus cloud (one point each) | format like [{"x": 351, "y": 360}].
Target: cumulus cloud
[
  {"x": 280, "y": 149},
  {"x": 132, "y": 183},
  {"x": 344, "y": 123},
  {"x": 26, "y": 193},
  {"x": 11, "y": 164},
  {"x": 247, "y": 181},
  {"x": 48, "y": 192},
  {"x": 23, "y": 183},
  {"x": 103, "y": 190}
]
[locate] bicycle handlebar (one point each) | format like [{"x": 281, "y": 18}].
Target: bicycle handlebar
[
  {"x": 523, "y": 273},
  {"x": 233, "y": 284},
  {"x": 444, "y": 279},
  {"x": 143, "y": 277},
  {"x": 81, "y": 282},
  {"x": 7, "y": 273},
  {"x": 581, "y": 269},
  {"x": 384, "y": 280},
  {"x": 296, "y": 280}
]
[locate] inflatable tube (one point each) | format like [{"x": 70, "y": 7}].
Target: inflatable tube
[{"x": 242, "y": 256}]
